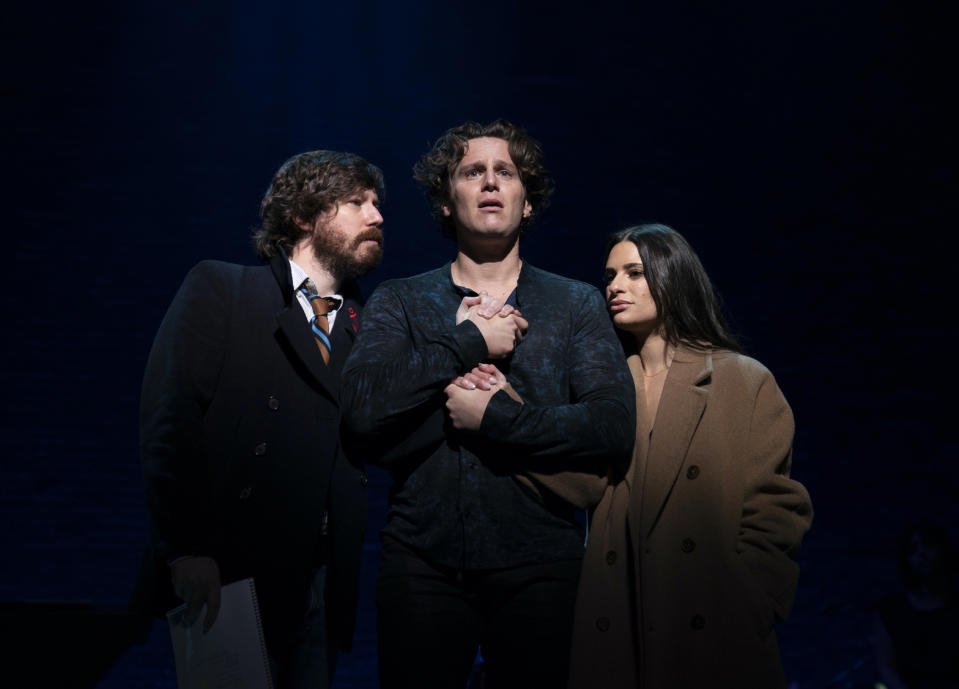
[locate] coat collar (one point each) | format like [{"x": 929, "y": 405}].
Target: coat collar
[
  {"x": 280, "y": 267},
  {"x": 684, "y": 399}
]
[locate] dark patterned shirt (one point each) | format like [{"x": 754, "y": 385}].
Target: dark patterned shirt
[{"x": 455, "y": 497}]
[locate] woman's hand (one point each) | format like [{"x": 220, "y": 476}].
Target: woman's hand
[{"x": 468, "y": 395}]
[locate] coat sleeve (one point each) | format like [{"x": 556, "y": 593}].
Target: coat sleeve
[
  {"x": 181, "y": 376},
  {"x": 392, "y": 386},
  {"x": 580, "y": 440},
  {"x": 777, "y": 510}
]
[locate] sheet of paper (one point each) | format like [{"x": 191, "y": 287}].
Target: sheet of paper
[{"x": 232, "y": 654}]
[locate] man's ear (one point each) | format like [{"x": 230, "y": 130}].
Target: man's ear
[
  {"x": 527, "y": 209},
  {"x": 446, "y": 210},
  {"x": 303, "y": 225}
]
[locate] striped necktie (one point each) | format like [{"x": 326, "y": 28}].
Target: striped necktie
[{"x": 320, "y": 323}]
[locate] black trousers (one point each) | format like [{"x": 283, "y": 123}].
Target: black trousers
[{"x": 431, "y": 620}]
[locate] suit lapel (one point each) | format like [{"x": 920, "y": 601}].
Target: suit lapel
[
  {"x": 680, "y": 410},
  {"x": 295, "y": 329},
  {"x": 342, "y": 337}
]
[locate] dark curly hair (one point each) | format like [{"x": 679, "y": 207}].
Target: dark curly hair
[
  {"x": 434, "y": 170},
  {"x": 684, "y": 296},
  {"x": 304, "y": 187}
]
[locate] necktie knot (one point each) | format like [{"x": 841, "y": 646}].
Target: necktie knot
[{"x": 319, "y": 324}]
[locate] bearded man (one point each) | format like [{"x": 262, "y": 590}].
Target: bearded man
[{"x": 244, "y": 471}]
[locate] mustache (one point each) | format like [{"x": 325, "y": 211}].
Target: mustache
[{"x": 374, "y": 234}]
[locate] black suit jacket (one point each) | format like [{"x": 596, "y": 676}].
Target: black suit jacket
[{"x": 240, "y": 445}]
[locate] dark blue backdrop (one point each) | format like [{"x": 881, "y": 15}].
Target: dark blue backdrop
[{"x": 803, "y": 148}]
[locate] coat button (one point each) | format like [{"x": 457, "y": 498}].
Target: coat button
[
  {"x": 273, "y": 403},
  {"x": 611, "y": 557},
  {"x": 692, "y": 472},
  {"x": 697, "y": 622},
  {"x": 363, "y": 480},
  {"x": 260, "y": 449},
  {"x": 602, "y": 624},
  {"x": 245, "y": 493},
  {"x": 689, "y": 545}
]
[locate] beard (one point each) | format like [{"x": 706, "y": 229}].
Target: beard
[{"x": 347, "y": 259}]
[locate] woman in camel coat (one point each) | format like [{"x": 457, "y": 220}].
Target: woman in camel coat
[{"x": 690, "y": 561}]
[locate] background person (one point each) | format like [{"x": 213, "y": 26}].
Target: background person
[{"x": 916, "y": 631}]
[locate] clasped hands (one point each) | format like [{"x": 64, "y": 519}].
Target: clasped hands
[
  {"x": 503, "y": 328},
  {"x": 501, "y": 325}
]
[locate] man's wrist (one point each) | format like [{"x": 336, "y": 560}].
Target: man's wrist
[
  {"x": 472, "y": 345},
  {"x": 499, "y": 414}
]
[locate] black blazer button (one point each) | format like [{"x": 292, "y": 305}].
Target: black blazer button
[
  {"x": 689, "y": 545},
  {"x": 602, "y": 624},
  {"x": 692, "y": 472},
  {"x": 273, "y": 403},
  {"x": 363, "y": 480},
  {"x": 260, "y": 449},
  {"x": 611, "y": 557},
  {"x": 245, "y": 493},
  {"x": 697, "y": 622}
]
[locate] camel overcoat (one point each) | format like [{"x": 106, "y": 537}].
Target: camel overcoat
[{"x": 690, "y": 560}]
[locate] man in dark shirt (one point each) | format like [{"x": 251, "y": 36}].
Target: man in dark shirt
[{"x": 481, "y": 546}]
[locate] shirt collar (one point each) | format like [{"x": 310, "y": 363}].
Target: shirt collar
[
  {"x": 299, "y": 277},
  {"x": 467, "y": 292}
]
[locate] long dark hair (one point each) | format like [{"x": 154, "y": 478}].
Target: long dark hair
[{"x": 684, "y": 296}]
